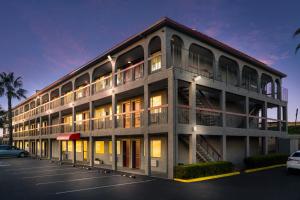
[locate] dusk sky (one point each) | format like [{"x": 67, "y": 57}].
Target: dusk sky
[{"x": 43, "y": 40}]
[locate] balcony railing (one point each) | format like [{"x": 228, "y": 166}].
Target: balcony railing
[
  {"x": 82, "y": 92},
  {"x": 273, "y": 124},
  {"x": 208, "y": 117},
  {"x": 66, "y": 128},
  {"x": 256, "y": 122},
  {"x": 102, "y": 84},
  {"x": 158, "y": 115},
  {"x": 129, "y": 74},
  {"x": 236, "y": 120},
  {"x": 183, "y": 114},
  {"x": 67, "y": 98},
  {"x": 82, "y": 125},
  {"x": 102, "y": 122},
  {"x": 55, "y": 103},
  {"x": 45, "y": 130},
  {"x": 133, "y": 119}
]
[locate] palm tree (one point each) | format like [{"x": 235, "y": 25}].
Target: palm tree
[
  {"x": 2, "y": 117},
  {"x": 11, "y": 87},
  {"x": 297, "y": 32}
]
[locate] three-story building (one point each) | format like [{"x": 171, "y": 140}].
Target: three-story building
[{"x": 165, "y": 96}]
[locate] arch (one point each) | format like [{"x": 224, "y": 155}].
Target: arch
[
  {"x": 45, "y": 98},
  {"x": 201, "y": 60},
  {"x": 228, "y": 71},
  {"x": 54, "y": 94},
  {"x": 250, "y": 78},
  {"x": 102, "y": 70},
  {"x": 267, "y": 85},
  {"x": 32, "y": 104},
  {"x": 176, "y": 50},
  {"x": 154, "y": 45},
  {"x": 154, "y": 52},
  {"x": 131, "y": 57},
  {"x": 68, "y": 87},
  {"x": 82, "y": 80}
]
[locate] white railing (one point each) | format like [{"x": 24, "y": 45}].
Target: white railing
[
  {"x": 132, "y": 119},
  {"x": 129, "y": 74},
  {"x": 158, "y": 114},
  {"x": 102, "y": 84},
  {"x": 104, "y": 122}
]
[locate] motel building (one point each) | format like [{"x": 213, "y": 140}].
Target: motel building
[{"x": 165, "y": 96}]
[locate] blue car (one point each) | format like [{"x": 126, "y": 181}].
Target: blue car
[{"x": 11, "y": 151}]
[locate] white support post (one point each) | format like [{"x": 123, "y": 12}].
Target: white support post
[{"x": 224, "y": 147}]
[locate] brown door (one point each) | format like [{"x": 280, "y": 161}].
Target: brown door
[
  {"x": 136, "y": 154},
  {"x": 136, "y": 106},
  {"x": 126, "y": 116},
  {"x": 126, "y": 149}
]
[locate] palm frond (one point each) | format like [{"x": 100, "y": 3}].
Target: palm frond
[
  {"x": 297, "y": 32},
  {"x": 297, "y": 48}
]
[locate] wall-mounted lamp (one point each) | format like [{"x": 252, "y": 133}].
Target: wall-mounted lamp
[
  {"x": 194, "y": 128},
  {"x": 197, "y": 78},
  {"x": 109, "y": 58}
]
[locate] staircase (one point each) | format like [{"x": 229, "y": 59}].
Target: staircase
[{"x": 205, "y": 152}]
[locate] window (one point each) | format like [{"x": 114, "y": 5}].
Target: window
[
  {"x": 78, "y": 146},
  {"x": 297, "y": 154},
  {"x": 156, "y": 101},
  {"x": 156, "y": 148},
  {"x": 99, "y": 147},
  {"x": 79, "y": 118},
  {"x": 155, "y": 62},
  {"x": 70, "y": 146}
]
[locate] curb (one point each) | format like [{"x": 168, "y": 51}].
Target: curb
[
  {"x": 206, "y": 178},
  {"x": 264, "y": 168}
]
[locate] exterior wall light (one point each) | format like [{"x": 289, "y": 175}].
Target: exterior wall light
[
  {"x": 194, "y": 128},
  {"x": 109, "y": 58},
  {"x": 197, "y": 78}
]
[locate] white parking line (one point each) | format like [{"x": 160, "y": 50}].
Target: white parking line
[
  {"x": 48, "y": 170},
  {"x": 48, "y": 175},
  {"x": 29, "y": 168},
  {"x": 74, "y": 180},
  {"x": 101, "y": 187}
]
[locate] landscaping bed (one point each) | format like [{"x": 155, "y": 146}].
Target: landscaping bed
[
  {"x": 265, "y": 160},
  {"x": 198, "y": 170}
]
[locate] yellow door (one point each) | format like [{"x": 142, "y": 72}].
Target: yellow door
[
  {"x": 85, "y": 147},
  {"x": 137, "y": 115}
]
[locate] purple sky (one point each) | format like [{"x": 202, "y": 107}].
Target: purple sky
[{"x": 43, "y": 40}]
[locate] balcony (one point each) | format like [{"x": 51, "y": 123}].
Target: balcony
[
  {"x": 82, "y": 92},
  {"x": 102, "y": 123},
  {"x": 158, "y": 115},
  {"x": 130, "y": 74},
  {"x": 208, "y": 117},
  {"x": 83, "y": 125},
  {"x": 183, "y": 114},
  {"x": 102, "y": 84},
  {"x": 133, "y": 119}
]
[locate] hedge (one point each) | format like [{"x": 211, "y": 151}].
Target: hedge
[
  {"x": 203, "y": 169},
  {"x": 265, "y": 160}
]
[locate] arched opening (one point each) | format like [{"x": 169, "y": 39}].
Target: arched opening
[
  {"x": 80, "y": 86},
  {"x": 66, "y": 93},
  {"x": 250, "y": 79},
  {"x": 130, "y": 66},
  {"x": 267, "y": 85},
  {"x": 55, "y": 101},
  {"x": 176, "y": 51},
  {"x": 228, "y": 71},
  {"x": 277, "y": 89},
  {"x": 45, "y": 98},
  {"x": 102, "y": 78},
  {"x": 154, "y": 50},
  {"x": 201, "y": 61}
]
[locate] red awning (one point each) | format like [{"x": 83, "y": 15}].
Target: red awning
[{"x": 68, "y": 136}]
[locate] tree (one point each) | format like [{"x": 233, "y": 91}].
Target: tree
[
  {"x": 2, "y": 117},
  {"x": 11, "y": 87},
  {"x": 297, "y": 32}
]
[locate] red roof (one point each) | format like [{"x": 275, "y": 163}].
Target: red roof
[{"x": 68, "y": 136}]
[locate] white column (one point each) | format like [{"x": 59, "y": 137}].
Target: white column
[
  {"x": 192, "y": 148},
  {"x": 114, "y": 152},
  {"x": 265, "y": 145}
]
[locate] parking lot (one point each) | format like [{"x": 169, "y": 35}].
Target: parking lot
[{"x": 39, "y": 179}]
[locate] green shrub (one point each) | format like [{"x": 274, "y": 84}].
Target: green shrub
[
  {"x": 265, "y": 160},
  {"x": 203, "y": 169}
]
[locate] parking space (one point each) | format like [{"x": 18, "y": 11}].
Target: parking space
[{"x": 39, "y": 179}]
